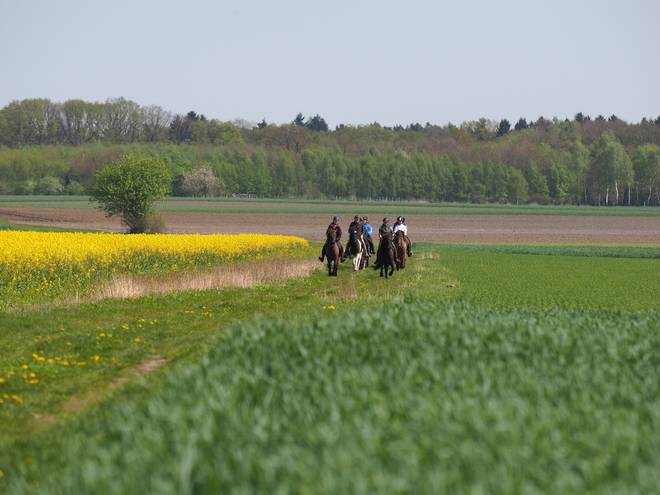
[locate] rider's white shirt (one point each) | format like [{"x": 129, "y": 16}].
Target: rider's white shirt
[{"x": 401, "y": 227}]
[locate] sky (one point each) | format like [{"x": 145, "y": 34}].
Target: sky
[{"x": 352, "y": 62}]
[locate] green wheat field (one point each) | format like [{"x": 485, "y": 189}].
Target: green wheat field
[{"x": 479, "y": 369}]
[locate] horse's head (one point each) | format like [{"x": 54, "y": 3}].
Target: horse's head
[{"x": 331, "y": 236}]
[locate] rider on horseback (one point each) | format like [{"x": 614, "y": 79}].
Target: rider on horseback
[
  {"x": 368, "y": 230},
  {"x": 384, "y": 236},
  {"x": 401, "y": 225},
  {"x": 357, "y": 229},
  {"x": 334, "y": 226}
]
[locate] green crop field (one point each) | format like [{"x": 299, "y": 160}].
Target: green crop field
[
  {"x": 219, "y": 205},
  {"x": 478, "y": 369}
]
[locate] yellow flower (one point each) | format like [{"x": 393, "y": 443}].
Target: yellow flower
[
  {"x": 25, "y": 366},
  {"x": 17, "y": 398}
]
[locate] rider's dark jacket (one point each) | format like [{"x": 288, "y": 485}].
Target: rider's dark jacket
[
  {"x": 385, "y": 231},
  {"x": 356, "y": 227},
  {"x": 336, "y": 228}
]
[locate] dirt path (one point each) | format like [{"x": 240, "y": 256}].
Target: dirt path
[{"x": 311, "y": 226}]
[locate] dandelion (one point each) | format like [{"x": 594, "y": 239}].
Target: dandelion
[
  {"x": 25, "y": 366},
  {"x": 17, "y": 399}
]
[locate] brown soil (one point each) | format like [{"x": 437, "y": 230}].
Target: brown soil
[{"x": 311, "y": 226}]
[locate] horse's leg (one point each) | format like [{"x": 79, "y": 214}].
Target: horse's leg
[{"x": 357, "y": 261}]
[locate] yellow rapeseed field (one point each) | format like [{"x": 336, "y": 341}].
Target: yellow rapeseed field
[{"x": 39, "y": 261}]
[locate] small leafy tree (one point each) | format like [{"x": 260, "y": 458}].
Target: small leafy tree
[
  {"x": 128, "y": 188},
  {"x": 200, "y": 182}
]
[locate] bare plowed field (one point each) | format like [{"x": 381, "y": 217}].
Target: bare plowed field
[{"x": 311, "y": 226}]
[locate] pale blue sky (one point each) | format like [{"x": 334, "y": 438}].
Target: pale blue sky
[{"x": 352, "y": 62}]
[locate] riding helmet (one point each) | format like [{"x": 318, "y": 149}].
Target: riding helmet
[
  {"x": 335, "y": 218},
  {"x": 356, "y": 217},
  {"x": 399, "y": 219},
  {"x": 386, "y": 220},
  {"x": 365, "y": 219}
]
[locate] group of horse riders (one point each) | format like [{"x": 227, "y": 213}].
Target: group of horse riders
[{"x": 362, "y": 230}]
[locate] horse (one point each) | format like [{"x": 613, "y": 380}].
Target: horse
[
  {"x": 386, "y": 257},
  {"x": 331, "y": 252},
  {"x": 356, "y": 251},
  {"x": 402, "y": 250}
]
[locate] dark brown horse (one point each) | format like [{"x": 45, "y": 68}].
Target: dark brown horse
[
  {"x": 386, "y": 257},
  {"x": 401, "y": 250},
  {"x": 331, "y": 252}
]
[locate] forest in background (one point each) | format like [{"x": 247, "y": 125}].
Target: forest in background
[{"x": 57, "y": 148}]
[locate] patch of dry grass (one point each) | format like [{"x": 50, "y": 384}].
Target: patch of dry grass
[{"x": 243, "y": 274}]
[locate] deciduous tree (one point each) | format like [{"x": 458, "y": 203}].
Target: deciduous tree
[
  {"x": 646, "y": 165},
  {"x": 128, "y": 189},
  {"x": 200, "y": 182},
  {"x": 607, "y": 165}
]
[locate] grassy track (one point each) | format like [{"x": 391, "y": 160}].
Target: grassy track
[
  {"x": 490, "y": 369},
  {"x": 217, "y": 205},
  {"x": 36, "y": 228}
]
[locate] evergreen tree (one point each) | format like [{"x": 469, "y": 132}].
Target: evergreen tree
[
  {"x": 317, "y": 123},
  {"x": 521, "y": 124},
  {"x": 299, "y": 120},
  {"x": 503, "y": 128}
]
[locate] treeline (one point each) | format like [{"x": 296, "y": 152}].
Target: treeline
[{"x": 53, "y": 148}]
